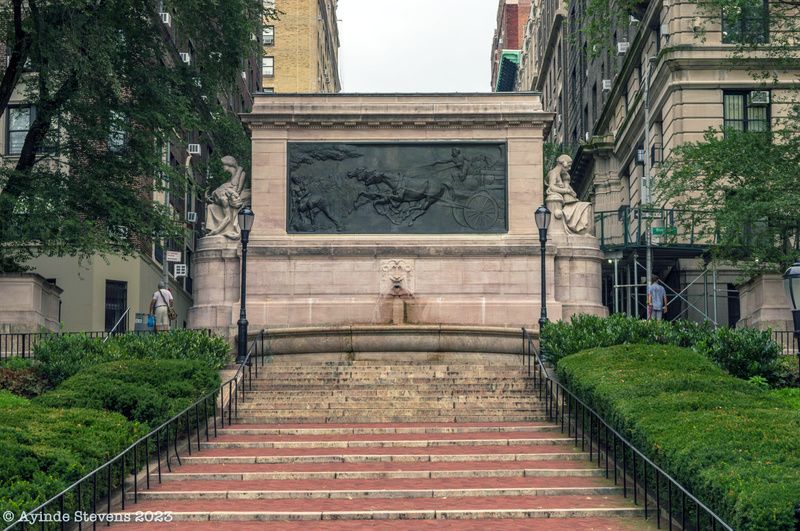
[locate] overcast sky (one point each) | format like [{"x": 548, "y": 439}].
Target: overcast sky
[{"x": 416, "y": 45}]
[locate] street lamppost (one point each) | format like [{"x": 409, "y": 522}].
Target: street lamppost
[
  {"x": 245, "y": 218},
  {"x": 542, "y": 216},
  {"x": 791, "y": 281}
]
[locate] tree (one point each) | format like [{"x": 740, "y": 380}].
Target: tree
[
  {"x": 745, "y": 186},
  {"x": 108, "y": 90}
]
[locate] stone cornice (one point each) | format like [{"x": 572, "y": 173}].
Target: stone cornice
[{"x": 398, "y": 111}]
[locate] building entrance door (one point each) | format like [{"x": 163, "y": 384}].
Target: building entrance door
[{"x": 116, "y": 304}]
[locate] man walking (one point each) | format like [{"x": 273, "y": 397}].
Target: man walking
[
  {"x": 656, "y": 300},
  {"x": 160, "y": 305}
]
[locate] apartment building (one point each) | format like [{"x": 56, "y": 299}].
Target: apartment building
[
  {"x": 100, "y": 293},
  {"x": 662, "y": 78},
  {"x": 301, "y": 48},
  {"x": 512, "y": 18}
]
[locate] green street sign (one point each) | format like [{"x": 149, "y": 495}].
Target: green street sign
[{"x": 664, "y": 231}]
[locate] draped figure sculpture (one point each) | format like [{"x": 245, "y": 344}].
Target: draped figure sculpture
[
  {"x": 224, "y": 203},
  {"x": 562, "y": 200}
]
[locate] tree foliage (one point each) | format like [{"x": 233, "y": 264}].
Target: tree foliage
[
  {"x": 110, "y": 90},
  {"x": 748, "y": 185}
]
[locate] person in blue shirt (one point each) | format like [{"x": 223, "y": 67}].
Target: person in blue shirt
[{"x": 656, "y": 300}]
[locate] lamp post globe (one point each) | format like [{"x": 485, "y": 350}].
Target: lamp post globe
[
  {"x": 245, "y": 219},
  {"x": 791, "y": 282},
  {"x": 542, "y": 216}
]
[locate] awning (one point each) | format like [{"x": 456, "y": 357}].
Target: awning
[{"x": 507, "y": 76}]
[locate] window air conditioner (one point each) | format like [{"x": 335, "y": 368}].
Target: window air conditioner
[
  {"x": 194, "y": 149},
  {"x": 191, "y": 217},
  {"x": 186, "y": 58},
  {"x": 180, "y": 270},
  {"x": 244, "y": 75},
  {"x": 606, "y": 84},
  {"x": 622, "y": 48},
  {"x": 664, "y": 30},
  {"x": 759, "y": 98},
  {"x": 166, "y": 18}
]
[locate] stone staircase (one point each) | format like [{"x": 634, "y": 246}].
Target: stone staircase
[{"x": 460, "y": 444}]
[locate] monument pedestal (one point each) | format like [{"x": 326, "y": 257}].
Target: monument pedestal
[{"x": 359, "y": 196}]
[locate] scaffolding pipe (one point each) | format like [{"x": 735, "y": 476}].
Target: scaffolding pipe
[
  {"x": 714, "y": 277},
  {"x": 636, "y": 280},
  {"x": 616, "y": 285}
]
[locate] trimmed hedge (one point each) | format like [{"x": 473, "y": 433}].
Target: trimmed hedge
[
  {"x": 44, "y": 450},
  {"x": 63, "y": 356},
  {"x": 147, "y": 391},
  {"x": 732, "y": 444},
  {"x": 743, "y": 352}
]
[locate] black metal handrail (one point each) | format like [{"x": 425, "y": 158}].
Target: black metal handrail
[
  {"x": 22, "y": 344},
  {"x": 618, "y": 455},
  {"x": 124, "y": 471}
]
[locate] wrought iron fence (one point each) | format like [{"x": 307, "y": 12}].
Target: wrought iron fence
[
  {"x": 22, "y": 345},
  {"x": 650, "y": 486},
  {"x": 107, "y": 487}
]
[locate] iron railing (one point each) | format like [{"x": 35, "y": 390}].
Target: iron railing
[
  {"x": 135, "y": 468},
  {"x": 22, "y": 345},
  {"x": 627, "y": 227},
  {"x": 649, "y": 485}
]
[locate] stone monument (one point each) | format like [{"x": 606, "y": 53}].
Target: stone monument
[{"x": 397, "y": 210}]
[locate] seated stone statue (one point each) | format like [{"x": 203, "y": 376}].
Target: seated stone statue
[
  {"x": 224, "y": 203},
  {"x": 562, "y": 200}
]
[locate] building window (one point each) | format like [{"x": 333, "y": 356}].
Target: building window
[
  {"x": 746, "y": 23},
  {"x": 742, "y": 111},
  {"x": 18, "y": 122},
  {"x": 268, "y": 66},
  {"x": 268, "y": 35}
]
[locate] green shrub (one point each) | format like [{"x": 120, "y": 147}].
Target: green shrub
[
  {"x": 16, "y": 363},
  {"x": 743, "y": 352},
  {"x": 26, "y": 382},
  {"x": 733, "y": 445},
  {"x": 44, "y": 450},
  {"x": 63, "y": 356},
  {"x": 147, "y": 391}
]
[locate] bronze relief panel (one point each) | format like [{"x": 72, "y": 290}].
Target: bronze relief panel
[{"x": 397, "y": 188}]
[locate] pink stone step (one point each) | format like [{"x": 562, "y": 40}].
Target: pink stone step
[
  {"x": 229, "y": 509},
  {"x": 550, "y": 524}
]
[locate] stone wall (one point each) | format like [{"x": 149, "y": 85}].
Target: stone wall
[
  {"x": 764, "y": 304},
  {"x": 30, "y": 303},
  {"x": 297, "y": 280}
]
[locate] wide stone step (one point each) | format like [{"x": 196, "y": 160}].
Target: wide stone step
[
  {"x": 383, "y": 470},
  {"x": 393, "y": 379},
  {"x": 377, "y": 428},
  {"x": 336, "y": 411},
  {"x": 605, "y": 523},
  {"x": 354, "y": 417},
  {"x": 480, "y": 507},
  {"x": 228, "y": 435},
  {"x": 242, "y": 442},
  {"x": 396, "y": 393},
  {"x": 405, "y": 400},
  {"x": 382, "y": 488},
  {"x": 405, "y": 454}
]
